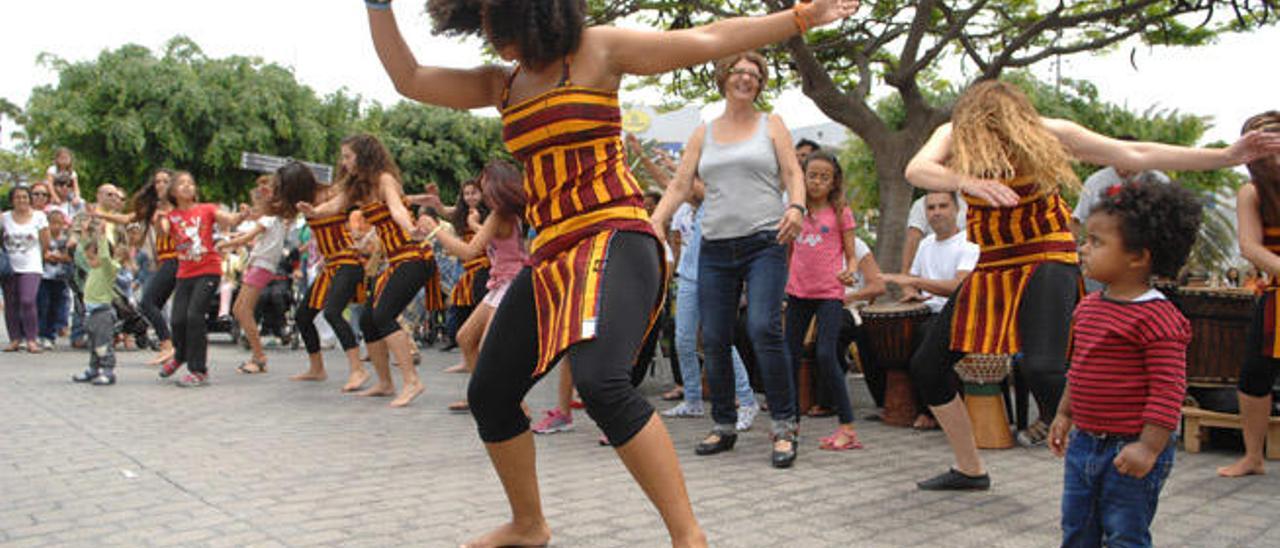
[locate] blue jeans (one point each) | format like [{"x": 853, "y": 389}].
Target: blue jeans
[
  {"x": 688, "y": 320},
  {"x": 51, "y": 307},
  {"x": 724, "y": 267},
  {"x": 1099, "y": 504}
]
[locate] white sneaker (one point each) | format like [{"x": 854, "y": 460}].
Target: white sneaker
[
  {"x": 685, "y": 410},
  {"x": 46, "y": 344},
  {"x": 746, "y": 416}
]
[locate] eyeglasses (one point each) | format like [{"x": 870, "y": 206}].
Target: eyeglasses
[
  {"x": 62, "y": 183},
  {"x": 42, "y": 194},
  {"x": 744, "y": 71}
]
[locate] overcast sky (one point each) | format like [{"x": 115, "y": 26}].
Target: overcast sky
[{"x": 327, "y": 44}]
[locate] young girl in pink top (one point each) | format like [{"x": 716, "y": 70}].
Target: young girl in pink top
[
  {"x": 823, "y": 261},
  {"x": 500, "y": 237}
]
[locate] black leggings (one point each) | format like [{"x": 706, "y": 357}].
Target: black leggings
[
  {"x": 1044, "y": 322},
  {"x": 191, "y": 300},
  {"x": 407, "y": 279},
  {"x": 342, "y": 289},
  {"x": 601, "y": 367},
  {"x": 1258, "y": 375},
  {"x": 158, "y": 289}
]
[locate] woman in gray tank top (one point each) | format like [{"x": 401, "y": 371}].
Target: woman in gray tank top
[{"x": 744, "y": 157}]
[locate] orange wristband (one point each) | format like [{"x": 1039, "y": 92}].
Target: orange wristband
[{"x": 802, "y": 20}]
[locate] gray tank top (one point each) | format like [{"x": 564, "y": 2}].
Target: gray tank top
[{"x": 744, "y": 190}]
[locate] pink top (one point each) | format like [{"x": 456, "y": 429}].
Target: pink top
[
  {"x": 506, "y": 257},
  {"x": 817, "y": 256}
]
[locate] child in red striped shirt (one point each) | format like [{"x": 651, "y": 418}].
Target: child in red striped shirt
[{"x": 1128, "y": 366}]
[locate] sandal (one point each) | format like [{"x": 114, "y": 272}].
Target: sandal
[
  {"x": 820, "y": 411},
  {"x": 13, "y": 347},
  {"x": 460, "y": 406},
  {"x": 253, "y": 367},
  {"x": 850, "y": 441},
  {"x": 674, "y": 394}
]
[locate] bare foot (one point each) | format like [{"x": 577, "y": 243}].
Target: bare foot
[
  {"x": 162, "y": 357},
  {"x": 1243, "y": 467},
  {"x": 460, "y": 367},
  {"x": 356, "y": 380},
  {"x": 407, "y": 394},
  {"x": 379, "y": 391},
  {"x": 510, "y": 534},
  {"x": 310, "y": 375}
]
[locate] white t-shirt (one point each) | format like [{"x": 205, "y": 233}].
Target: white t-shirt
[
  {"x": 267, "y": 252},
  {"x": 1103, "y": 179},
  {"x": 919, "y": 219},
  {"x": 941, "y": 260},
  {"x": 22, "y": 243},
  {"x": 860, "y": 250}
]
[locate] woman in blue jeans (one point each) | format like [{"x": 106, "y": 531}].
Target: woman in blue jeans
[{"x": 744, "y": 157}]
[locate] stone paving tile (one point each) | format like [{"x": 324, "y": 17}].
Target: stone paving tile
[{"x": 262, "y": 461}]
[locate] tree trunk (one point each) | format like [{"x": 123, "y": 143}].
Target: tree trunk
[{"x": 895, "y": 203}]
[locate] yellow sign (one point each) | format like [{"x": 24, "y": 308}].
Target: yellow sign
[{"x": 635, "y": 121}]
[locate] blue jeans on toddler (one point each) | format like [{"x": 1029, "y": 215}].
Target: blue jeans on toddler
[{"x": 1099, "y": 504}]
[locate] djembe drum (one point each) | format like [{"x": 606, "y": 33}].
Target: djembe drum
[
  {"x": 1220, "y": 320},
  {"x": 893, "y": 331},
  {"x": 982, "y": 375}
]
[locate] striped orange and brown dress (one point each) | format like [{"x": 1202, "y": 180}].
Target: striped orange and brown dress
[
  {"x": 1014, "y": 241},
  {"x": 335, "y": 245},
  {"x": 1271, "y": 298},
  {"x": 580, "y": 195},
  {"x": 165, "y": 248},
  {"x": 400, "y": 249},
  {"x": 464, "y": 293}
]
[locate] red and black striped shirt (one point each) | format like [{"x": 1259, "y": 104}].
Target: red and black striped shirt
[{"x": 1128, "y": 364}]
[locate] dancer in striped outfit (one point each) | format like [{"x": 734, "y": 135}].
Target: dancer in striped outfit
[
  {"x": 1009, "y": 163},
  {"x": 341, "y": 279},
  {"x": 370, "y": 179},
  {"x": 596, "y": 278}
]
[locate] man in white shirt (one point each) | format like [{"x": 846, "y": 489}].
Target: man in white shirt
[
  {"x": 943, "y": 258},
  {"x": 919, "y": 226},
  {"x": 940, "y": 264}
]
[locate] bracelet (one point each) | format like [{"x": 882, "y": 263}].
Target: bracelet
[
  {"x": 378, "y": 5},
  {"x": 431, "y": 236},
  {"x": 801, "y": 18},
  {"x": 803, "y": 210}
]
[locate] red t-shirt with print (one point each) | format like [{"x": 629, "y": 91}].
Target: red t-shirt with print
[{"x": 192, "y": 232}]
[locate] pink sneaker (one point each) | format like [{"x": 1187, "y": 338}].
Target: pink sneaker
[{"x": 555, "y": 421}]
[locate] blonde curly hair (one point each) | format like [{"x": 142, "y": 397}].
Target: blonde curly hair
[{"x": 997, "y": 134}]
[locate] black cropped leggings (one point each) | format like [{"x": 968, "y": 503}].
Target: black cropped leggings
[
  {"x": 601, "y": 367},
  {"x": 1044, "y": 322},
  {"x": 407, "y": 279},
  {"x": 342, "y": 289},
  {"x": 1258, "y": 375},
  {"x": 158, "y": 289}
]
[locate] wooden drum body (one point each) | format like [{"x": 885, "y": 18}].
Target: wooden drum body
[
  {"x": 1220, "y": 319},
  {"x": 893, "y": 331},
  {"x": 982, "y": 375}
]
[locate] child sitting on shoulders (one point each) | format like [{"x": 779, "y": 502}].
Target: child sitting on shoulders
[{"x": 1128, "y": 366}]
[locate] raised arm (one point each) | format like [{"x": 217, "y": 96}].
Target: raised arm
[
  {"x": 446, "y": 87},
  {"x": 240, "y": 240},
  {"x": 333, "y": 206},
  {"x": 1093, "y": 148},
  {"x": 678, "y": 190},
  {"x": 475, "y": 247},
  {"x": 928, "y": 170},
  {"x": 644, "y": 52},
  {"x": 117, "y": 218}
]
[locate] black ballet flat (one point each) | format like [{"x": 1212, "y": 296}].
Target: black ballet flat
[
  {"x": 724, "y": 443},
  {"x": 954, "y": 480}
]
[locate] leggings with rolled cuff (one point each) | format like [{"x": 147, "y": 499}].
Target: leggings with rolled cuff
[
  {"x": 407, "y": 279},
  {"x": 1044, "y": 322},
  {"x": 158, "y": 289},
  {"x": 342, "y": 289},
  {"x": 601, "y": 366}
]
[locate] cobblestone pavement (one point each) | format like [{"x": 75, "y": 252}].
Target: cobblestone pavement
[{"x": 260, "y": 460}]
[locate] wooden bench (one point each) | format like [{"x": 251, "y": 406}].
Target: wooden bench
[{"x": 1194, "y": 418}]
